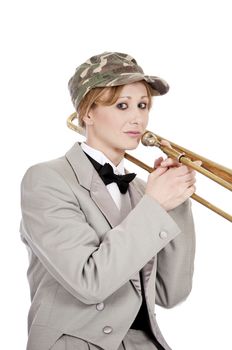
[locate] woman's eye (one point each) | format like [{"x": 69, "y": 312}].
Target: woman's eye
[
  {"x": 122, "y": 105},
  {"x": 142, "y": 105}
]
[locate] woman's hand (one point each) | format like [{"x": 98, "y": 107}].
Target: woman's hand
[
  {"x": 169, "y": 162},
  {"x": 171, "y": 183}
]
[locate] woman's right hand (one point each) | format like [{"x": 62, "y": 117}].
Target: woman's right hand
[{"x": 171, "y": 183}]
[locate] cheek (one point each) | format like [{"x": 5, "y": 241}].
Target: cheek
[
  {"x": 146, "y": 119},
  {"x": 106, "y": 126},
  {"x": 112, "y": 122}
]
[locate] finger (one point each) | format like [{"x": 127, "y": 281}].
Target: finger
[
  {"x": 198, "y": 162},
  {"x": 192, "y": 171},
  {"x": 183, "y": 170},
  {"x": 189, "y": 178},
  {"x": 169, "y": 162},
  {"x": 190, "y": 190},
  {"x": 158, "y": 162},
  {"x": 158, "y": 172},
  {"x": 190, "y": 183},
  {"x": 165, "y": 143}
]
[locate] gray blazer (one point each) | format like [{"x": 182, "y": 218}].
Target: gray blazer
[{"x": 85, "y": 257}]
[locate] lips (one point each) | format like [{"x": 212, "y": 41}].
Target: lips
[{"x": 132, "y": 132}]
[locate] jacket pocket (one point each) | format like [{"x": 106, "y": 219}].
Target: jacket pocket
[{"x": 68, "y": 342}]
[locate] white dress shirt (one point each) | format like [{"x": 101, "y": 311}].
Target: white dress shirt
[{"x": 118, "y": 170}]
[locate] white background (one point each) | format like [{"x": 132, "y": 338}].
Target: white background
[{"x": 186, "y": 42}]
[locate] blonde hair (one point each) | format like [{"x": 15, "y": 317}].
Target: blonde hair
[{"x": 105, "y": 96}]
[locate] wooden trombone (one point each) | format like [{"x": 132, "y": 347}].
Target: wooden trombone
[{"x": 212, "y": 170}]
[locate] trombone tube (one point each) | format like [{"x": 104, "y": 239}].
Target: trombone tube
[
  {"x": 193, "y": 196},
  {"x": 218, "y": 169},
  {"x": 151, "y": 139}
]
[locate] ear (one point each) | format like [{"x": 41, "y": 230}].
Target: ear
[{"x": 88, "y": 119}]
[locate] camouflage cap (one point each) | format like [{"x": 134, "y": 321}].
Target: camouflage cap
[{"x": 110, "y": 69}]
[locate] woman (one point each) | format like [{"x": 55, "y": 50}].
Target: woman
[{"x": 103, "y": 253}]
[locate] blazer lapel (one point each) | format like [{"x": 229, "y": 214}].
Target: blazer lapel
[
  {"x": 135, "y": 193},
  {"x": 101, "y": 196},
  {"x": 88, "y": 178}
]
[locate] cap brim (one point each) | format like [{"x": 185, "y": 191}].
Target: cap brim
[{"x": 158, "y": 86}]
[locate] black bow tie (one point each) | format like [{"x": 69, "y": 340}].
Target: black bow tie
[{"x": 107, "y": 175}]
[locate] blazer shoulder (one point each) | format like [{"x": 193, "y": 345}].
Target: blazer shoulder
[{"x": 49, "y": 171}]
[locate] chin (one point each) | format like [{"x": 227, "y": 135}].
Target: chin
[{"x": 131, "y": 146}]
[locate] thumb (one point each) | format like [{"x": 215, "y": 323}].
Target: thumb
[
  {"x": 158, "y": 172},
  {"x": 158, "y": 162},
  {"x": 198, "y": 162}
]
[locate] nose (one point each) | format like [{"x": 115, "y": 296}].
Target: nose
[{"x": 137, "y": 116}]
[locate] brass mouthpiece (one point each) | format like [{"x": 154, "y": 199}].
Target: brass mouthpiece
[{"x": 150, "y": 139}]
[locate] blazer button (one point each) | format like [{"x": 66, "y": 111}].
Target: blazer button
[
  {"x": 107, "y": 329},
  {"x": 163, "y": 235},
  {"x": 100, "y": 306}
]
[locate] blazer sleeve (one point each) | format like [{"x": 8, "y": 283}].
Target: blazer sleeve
[
  {"x": 175, "y": 263},
  {"x": 55, "y": 228}
]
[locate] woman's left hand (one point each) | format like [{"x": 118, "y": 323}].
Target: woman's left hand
[{"x": 168, "y": 162}]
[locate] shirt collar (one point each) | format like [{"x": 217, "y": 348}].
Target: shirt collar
[{"x": 102, "y": 159}]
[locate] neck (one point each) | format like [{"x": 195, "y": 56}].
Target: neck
[
  {"x": 115, "y": 158},
  {"x": 114, "y": 155}
]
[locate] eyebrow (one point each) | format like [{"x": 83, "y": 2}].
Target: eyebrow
[{"x": 131, "y": 97}]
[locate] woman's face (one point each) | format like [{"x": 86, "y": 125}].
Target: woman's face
[{"x": 119, "y": 127}]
